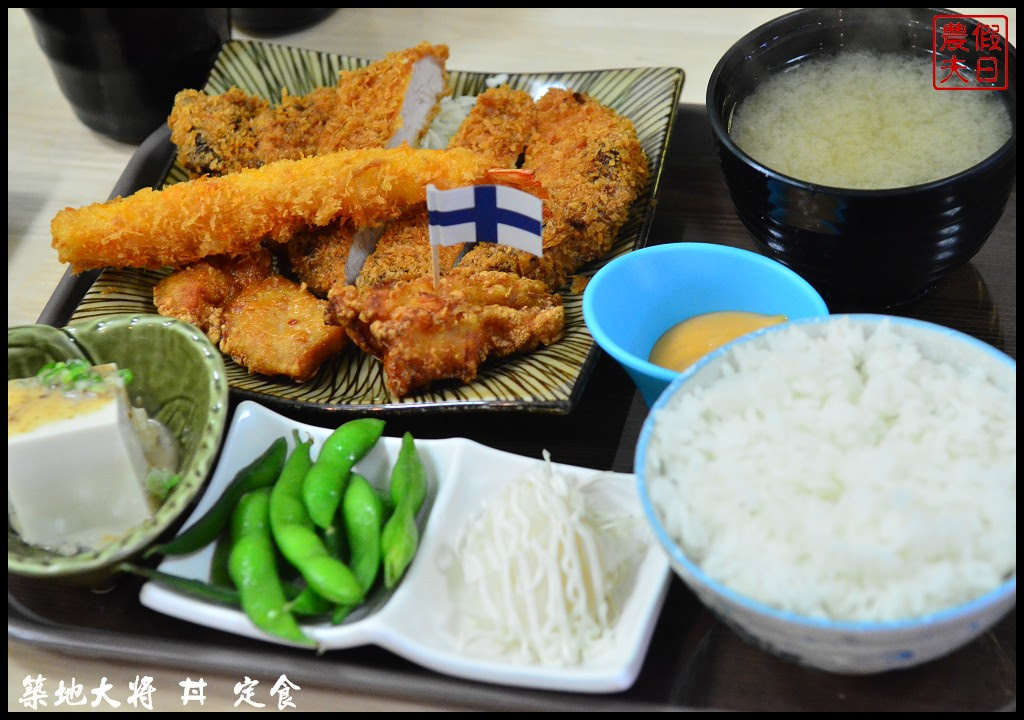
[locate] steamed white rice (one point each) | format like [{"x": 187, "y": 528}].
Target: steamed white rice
[{"x": 845, "y": 475}]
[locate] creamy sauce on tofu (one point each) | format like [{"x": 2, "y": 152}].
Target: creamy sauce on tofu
[
  {"x": 687, "y": 342},
  {"x": 31, "y": 405}
]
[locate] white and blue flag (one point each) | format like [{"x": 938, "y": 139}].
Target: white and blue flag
[{"x": 485, "y": 213}]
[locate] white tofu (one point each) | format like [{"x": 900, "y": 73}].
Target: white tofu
[{"x": 76, "y": 482}]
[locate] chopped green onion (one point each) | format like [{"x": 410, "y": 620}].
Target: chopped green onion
[{"x": 77, "y": 375}]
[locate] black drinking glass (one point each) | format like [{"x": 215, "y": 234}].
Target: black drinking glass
[{"x": 121, "y": 67}]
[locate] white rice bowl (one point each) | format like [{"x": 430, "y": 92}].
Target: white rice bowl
[{"x": 842, "y": 490}]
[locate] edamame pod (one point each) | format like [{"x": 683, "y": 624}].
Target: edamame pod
[
  {"x": 408, "y": 489},
  {"x": 325, "y": 484},
  {"x": 328, "y": 576},
  {"x": 408, "y": 476},
  {"x": 363, "y": 518},
  {"x": 297, "y": 540},
  {"x": 308, "y": 603},
  {"x": 190, "y": 586},
  {"x": 363, "y": 513},
  {"x": 253, "y": 568},
  {"x": 262, "y": 472},
  {"x": 398, "y": 541}
]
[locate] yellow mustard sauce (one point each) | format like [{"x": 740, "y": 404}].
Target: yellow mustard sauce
[
  {"x": 685, "y": 343},
  {"x": 31, "y": 405}
]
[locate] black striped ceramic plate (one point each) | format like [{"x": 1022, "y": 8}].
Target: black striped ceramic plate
[{"x": 546, "y": 380}]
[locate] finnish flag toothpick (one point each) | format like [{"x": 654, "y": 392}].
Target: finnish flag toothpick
[{"x": 485, "y": 213}]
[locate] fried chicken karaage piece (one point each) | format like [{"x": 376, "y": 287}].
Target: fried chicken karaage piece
[
  {"x": 384, "y": 104},
  {"x": 234, "y": 214},
  {"x": 264, "y": 321},
  {"x": 199, "y": 293},
  {"x": 423, "y": 334},
  {"x": 274, "y": 326}
]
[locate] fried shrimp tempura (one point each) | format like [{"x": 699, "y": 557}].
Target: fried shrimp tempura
[
  {"x": 422, "y": 334},
  {"x": 233, "y": 214},
  {"x": 384, "y": 104}
]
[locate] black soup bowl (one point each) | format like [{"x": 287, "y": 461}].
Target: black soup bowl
[{"x": 861, "y": 249}]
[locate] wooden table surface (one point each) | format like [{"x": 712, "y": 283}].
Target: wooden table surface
[{"x": 54, "y": 161}]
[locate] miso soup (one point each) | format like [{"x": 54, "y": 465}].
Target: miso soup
[{"x": 865, "y": 120}]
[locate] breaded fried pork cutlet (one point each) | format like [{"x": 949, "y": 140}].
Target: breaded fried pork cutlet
[
  {"x": 384, "y": 104},
  {"x": 592, "y": 167}
]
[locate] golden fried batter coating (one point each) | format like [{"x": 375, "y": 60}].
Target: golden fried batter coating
[
  {"x": 214, "y": 134},
  {"x": 403, "y": 252},
  {"x": 422, "y": 334},
  {"x": 276, "y": 327},
  {"x": 234, "y": 214},
  {"x": 199, "y": 293},
  {"x": 499, "y": 125},
  {"x": 592, "y": 166},
  {"x": 318, "y": 257},
  {"x": 373, "y": 106}
]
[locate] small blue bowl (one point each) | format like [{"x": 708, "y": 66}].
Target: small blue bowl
[{"x": 635, "y": 298}]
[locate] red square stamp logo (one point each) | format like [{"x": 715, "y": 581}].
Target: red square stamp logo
[{"x": 970, "y": 52}]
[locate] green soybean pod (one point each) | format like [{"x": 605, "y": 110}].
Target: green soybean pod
[
  {"x": 253, "y": 568},
  {"x": 408, "y": 490},
  {"x": 308, "y": 602},
  {"x": 325, "y": 484},
  {"x": 328, "y": 576},
  {"x": 210, "y": 592},
  {"x": 296, "y": 538},
  {"x": 398, "y": 541},
  {"x": 262, "y": 472},
  {"x": 408, "y": 476},
  {"x": 363, "y": 520},
  {"x": 286, "y": 505},
  {"x": 219, "y": 562}
]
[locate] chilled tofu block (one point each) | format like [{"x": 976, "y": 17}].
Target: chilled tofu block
[{"x": 76, "y": 469}]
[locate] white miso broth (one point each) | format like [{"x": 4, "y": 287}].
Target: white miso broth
[{"x": 868, "y": 121}]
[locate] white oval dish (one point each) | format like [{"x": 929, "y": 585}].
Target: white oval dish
[{"x": 462, "y": 474}]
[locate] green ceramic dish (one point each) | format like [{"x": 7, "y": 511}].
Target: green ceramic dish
[{"x": 178, "y": 378}]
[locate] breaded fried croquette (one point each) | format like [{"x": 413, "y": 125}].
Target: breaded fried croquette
[
  {"x": 234, "y": 214},
  {"x": 591, "y": 165},
  {"x": 384, "y": 104},
  {"x": 213, "y": 133},
  {"x": 423, "y": 334},
  {"x": 499, "y": 125},
  {"x": 275, "y": 327}
]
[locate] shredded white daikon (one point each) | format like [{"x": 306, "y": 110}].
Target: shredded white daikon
[{"x": 542, "y": 571}]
